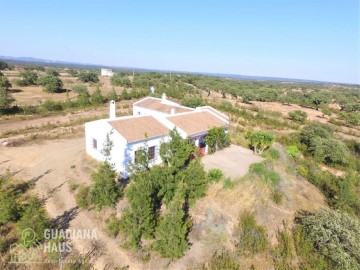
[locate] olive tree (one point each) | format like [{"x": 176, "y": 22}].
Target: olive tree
[
  {"x": 260, "y": 140},
  {"x": 5, "y": 99},
  {"x": 4, "y": 83},
  {"x": 52, "y": 84},
  {"x": 336, "y": 235},
  {"x": 88, "y": 77}
]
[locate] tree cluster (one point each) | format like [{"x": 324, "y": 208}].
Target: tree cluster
[
  {"x": 88, "y": 77},
  {"x": 318, "y": 138},
  {"x": 217, "y": 138},
  {"x": 175, "y": 187}
]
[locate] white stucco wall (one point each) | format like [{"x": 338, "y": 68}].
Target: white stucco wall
[
  {"x": 122, "y": 152},
  {"x": 96, "y": 130},
  {"x": 106, "y": 72}
]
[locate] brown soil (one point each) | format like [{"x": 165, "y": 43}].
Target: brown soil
[{"x": 34, "y": 95}]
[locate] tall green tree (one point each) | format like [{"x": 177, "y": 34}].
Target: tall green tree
[
  {"x": 177, "y": 152},
  {"x": 33, "y": 223},
  {"x": 171, "y": 234},
  {"x": 140, "y": 220},
  {"x": 105, "y": 191},
  {"x": 97, "y": 97},
  {"x": 194, "y": 179}
]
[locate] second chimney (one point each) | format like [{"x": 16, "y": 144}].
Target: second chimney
[
  {"x": 112, "y": 110},
  {"x": 163, "y": 98}
]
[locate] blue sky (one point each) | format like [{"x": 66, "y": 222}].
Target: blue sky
[{"x": 306, "y": 39}]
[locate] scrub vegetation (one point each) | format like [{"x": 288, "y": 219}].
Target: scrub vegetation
[{"x": 308, "y": 135}]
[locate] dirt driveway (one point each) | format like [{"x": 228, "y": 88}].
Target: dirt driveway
[
  {"x": 234, "y": 161},
  {"x": 51, "y": 166}
]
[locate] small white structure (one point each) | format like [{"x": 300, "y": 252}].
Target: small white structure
[
  {"x": 152, "y": 89},
  {"x": 152, "y": 120},
  {"x": 107, "y": 72}
]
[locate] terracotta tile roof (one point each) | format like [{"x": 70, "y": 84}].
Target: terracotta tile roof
[
  {"x": 196, "y": 122},
  {"x": 134, "y": 129},
  {"x": 156, "y": 105},
  {"x": 218, "y": 113}
]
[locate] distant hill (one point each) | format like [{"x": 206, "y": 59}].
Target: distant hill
[{"x": 59, "y": 63}]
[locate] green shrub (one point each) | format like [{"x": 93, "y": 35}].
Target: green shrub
[
  {"x": 52, "y": 84},
  {"x": 97, "y": 97},
  {"x": 88, "y": 77},
  {"x": 272, "y": 177},
  {"x": 336, "y": 236},
  {"x": 286, "y": 246},
  {"x": 278, "y": 197},
  {"x": 120, "y": 79},
  {"x": 330, "y": 151},
  {"x": 223, "y": 260},
  {"x": 83, "y": 197},
  {"x": 228, "y": 183},
  {"x": 292, "y": 151},
  {"x": 80, "y": 89},
  {"x": 258, "y": 168},
  {"x": 298, "y": 116},
  {"x": 52, "y": 72},
  {"x": 315, "y": 130},
  {"x": 73, "y": 186},
  {"x": 193, "y": 101},
  {"x": 285, "y": 252},
  {"x": 113, "y": 225},
  {"x": 250, "y": 237},
  {"x": 28, "y": 77},
  {"x": 3, "y": 244},
  {"x": 9, "y": 207},
  {"x": 309, "y": 257},
  {"x": 272, "y": 154},
  {"x": 35, "y": 219},
  {"x": 217, "y": 138},
  {"x": 52, "y": 106},
  {"x": 214, "y": 175}
]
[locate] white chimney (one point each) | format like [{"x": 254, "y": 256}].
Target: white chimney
[
  {"x": 163, "y": 98},
  {"x": 172, "y": 111},
  {"x": 112, "y": 110}
]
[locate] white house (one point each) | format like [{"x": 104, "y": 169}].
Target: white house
[
  {"x": 152, "y": 120},
  {"x": 107, "y": 72}
]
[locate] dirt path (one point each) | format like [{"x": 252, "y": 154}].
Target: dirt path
[
  {"x": 25, "y": 122},
  {"x": 49, "y": 165}
]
